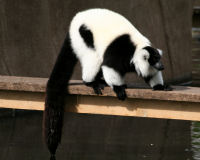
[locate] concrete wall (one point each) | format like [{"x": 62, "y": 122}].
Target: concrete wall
[{"x": 32, "y": 32}]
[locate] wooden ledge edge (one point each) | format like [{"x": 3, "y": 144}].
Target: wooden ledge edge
[
  {"x": 30, "y": 84},
  {"x": 105, "y": 105}
]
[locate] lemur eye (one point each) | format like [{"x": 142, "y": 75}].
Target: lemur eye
[{"x": 145, "y": 58}]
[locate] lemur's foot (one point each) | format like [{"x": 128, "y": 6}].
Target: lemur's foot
[
  {"x": 120, "y": 92},
  {"x": 97, "y": 86},
  {"x": 167, "y": 87},
  {"x": 164, "y": 87}
]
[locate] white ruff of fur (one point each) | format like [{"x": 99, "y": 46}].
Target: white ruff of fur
[
  {"x": 112, "y": 77},
  {"x": 142, "y": 66},
  {"x": 156, "y": 79},
  {"x": 160, "y": 52}
]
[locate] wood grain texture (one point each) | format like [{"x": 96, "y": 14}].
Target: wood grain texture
[
  {"x": 29, "y": 93},
  {"x": 106, "y": 105},
  {"x": 136, "y": 107},
  {"x": 180, "y": 93}
]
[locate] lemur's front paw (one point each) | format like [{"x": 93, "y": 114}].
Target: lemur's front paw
[
  {"x": 167, "y": 87},
  {"x": 164, "y": 87},
  {"x": 120, "y": 92},
  {"x": 97, "y": 90},
  {"x": 97, "y": 86},
  {"x": 102, "y": 83}
]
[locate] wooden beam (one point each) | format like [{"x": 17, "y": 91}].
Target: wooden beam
[
  {"x": 135, "y": 107},
  {"x": 22, "y": 100},
  {"x": 106, "y": 105},
  {"x": 30, "y": 84},
  {"x": 29, "y": 93}
]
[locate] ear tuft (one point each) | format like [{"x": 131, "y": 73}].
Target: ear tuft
[{"x": 160, "y": 52}]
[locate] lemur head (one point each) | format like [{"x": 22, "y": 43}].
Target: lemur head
[{"x": 147, "y": 61}]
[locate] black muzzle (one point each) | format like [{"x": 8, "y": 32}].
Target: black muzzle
[{"x": 159, "y": 66}]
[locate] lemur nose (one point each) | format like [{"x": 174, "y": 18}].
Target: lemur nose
[{"x": 159, "y": 66}]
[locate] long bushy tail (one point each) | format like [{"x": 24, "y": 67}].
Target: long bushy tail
[{"x": 55, "y": 96}]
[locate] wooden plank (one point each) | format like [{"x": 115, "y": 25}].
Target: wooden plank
[
  {"x": 32, "y": 84},
  {"x": 22, "y": 100},
  {"x": 29, "y": 93},
  {"x": 180, "y": 93},
  {"x": 137, "y": 107},
  {"x": 106, "y": 105},
  {"x": 28, "y": 84}
]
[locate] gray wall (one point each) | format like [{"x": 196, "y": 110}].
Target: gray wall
[{"x": 32, "y": 32}]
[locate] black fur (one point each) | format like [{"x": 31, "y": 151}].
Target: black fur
[
  {"x": 120, "y": 92},
  {"x": 158, "y": 87},
  {"x": 147, "y": 79},
  {"x": 119, "y": 53},
  {"x": 164, "y": 87},
  {"x": 55, "y": 96},
  {"x": 87, "y": 36},
  {"x": 118, "y": 56},
  {"x": 98, "y": 84},
  {"x": 154, "y": 55}
]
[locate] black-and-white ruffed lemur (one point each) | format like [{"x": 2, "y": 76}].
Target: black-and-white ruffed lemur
[{"x": 107, "y": 46}]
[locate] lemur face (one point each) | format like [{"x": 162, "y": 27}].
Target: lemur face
[
  {"x": 147, "y": 61},
  {"x": 154, "y": 58}
]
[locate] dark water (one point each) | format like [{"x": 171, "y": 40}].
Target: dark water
[
  {"x": 195, "y": 141},
  {"x": 97, "y": 137}
]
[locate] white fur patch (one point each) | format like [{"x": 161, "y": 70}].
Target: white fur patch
[
  {"x": 112, "y": 77},
  {"x": 142, "y": 66},
  {"x": 89, "y": 59},
  {"x": 156, "y": 79},
  {"x": 91, "y": 64},
  {"x": 160, "y": 52}
]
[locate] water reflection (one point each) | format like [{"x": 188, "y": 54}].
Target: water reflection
[
  {"x": 195, "y": 134},
  {"x": 97, "y": 137}
]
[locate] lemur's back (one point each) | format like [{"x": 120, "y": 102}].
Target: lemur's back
[{"x": 105, "y": 26}]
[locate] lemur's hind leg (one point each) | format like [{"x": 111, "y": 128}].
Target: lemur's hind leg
[
  {"x": 98, "y": 84},
  {"x": 91, "y": 72},
  {"x": 115, "y": 81}
]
